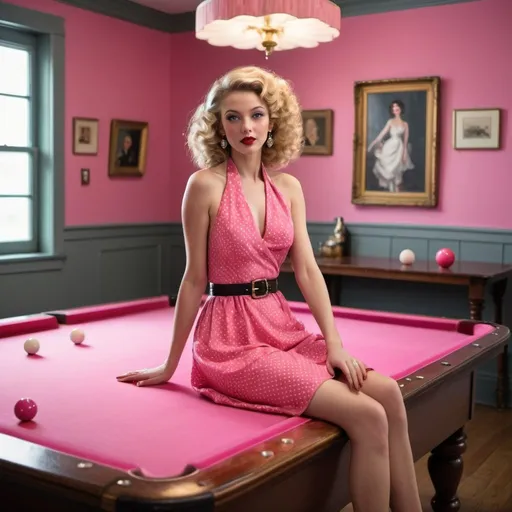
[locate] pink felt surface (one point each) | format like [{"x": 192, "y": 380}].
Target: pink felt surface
[
  {"x": 393, "y": 344},
  {"x": 85, "y": 412}
]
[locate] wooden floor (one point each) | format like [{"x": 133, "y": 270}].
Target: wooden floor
[{"x": 486, "y": 485}]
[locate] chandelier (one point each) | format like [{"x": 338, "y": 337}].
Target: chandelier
[{"x": 267, "y": 25}]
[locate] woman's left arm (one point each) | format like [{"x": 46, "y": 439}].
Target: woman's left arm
[
  {"x": 406, "y": 141},
  {"x": 307, "y": 274},
  {"x": 314, "y": 290}
]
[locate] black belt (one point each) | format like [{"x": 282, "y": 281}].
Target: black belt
[{"x": 256, "y": 289}]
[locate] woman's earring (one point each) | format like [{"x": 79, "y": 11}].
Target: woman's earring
[
  {"x": 223, "y": 143},
  {"x": 270, "y": 140}
]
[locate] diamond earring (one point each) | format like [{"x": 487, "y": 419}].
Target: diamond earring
[
  {"x": 223, "y": 143},
  {"x": 270, "y": 140}
]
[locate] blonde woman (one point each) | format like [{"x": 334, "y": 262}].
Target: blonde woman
[{"x": 242, "y": 214}]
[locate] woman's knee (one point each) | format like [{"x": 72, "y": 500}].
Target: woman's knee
[
  {"x": 369, "y": 425},
  {"x": 392, "y": 401},
  {"x": 363, "y": 418}
]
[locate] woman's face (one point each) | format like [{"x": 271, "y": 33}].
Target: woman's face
[
  {"x": 311, "y": 129},
  {"x": 396, "y": 109},
  {"x": 245, "y": 121},
  {"x": 127, "y": 143}
]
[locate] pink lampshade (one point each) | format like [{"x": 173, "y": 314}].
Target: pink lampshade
[{"x": 268, "y": 25}]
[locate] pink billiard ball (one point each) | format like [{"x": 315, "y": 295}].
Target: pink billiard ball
[
  {"x": 445, "y": 258},
  {"x": 25, "y": 409}
]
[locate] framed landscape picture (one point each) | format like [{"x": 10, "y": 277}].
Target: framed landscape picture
[
  {"x": 396, "y": 142},
  {"x": 476, "y": 128}
]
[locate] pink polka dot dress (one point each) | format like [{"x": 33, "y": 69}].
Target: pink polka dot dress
[{"x": 253, "y": 353}]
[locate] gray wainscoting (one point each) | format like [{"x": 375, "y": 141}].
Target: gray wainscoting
[
  {"x": 111, "y": 263},
  {"x": 101, "y": 264}
]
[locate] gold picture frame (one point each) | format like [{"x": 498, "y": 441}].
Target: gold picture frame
[
  {"x": 85, "y": 136},
  {"x": 128, "y": 148},
  {"x": 396, "y": 142},
  {"x": 317, "y": 131},
  {"x": 477, "y": 128}
]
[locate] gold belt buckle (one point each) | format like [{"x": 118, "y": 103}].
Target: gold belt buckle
[{"x": 254, "y": 288}]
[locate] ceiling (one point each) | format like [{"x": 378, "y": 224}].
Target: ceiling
[
  {"x": 170, "y": 6},
  {"x": 180, "y": 6}
]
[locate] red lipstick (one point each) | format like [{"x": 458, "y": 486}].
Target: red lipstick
[{"x": 248, "y": 141}]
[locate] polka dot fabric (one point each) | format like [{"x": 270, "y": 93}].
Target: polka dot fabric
[{"x": 253, "y": 353}]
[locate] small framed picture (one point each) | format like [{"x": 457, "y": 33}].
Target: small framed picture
[
  {"x": 85, "y": 136},
  {"x": 317, "y": 126},
  {"x": 476, "y": 128},
  {"x": 128, "y": 148}
]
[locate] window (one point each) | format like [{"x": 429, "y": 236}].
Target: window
[
  {"x": 18, "y": 142},
  {"x": 31, "y": 140}
]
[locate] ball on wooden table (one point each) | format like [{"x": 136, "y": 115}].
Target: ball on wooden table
[
  {"x": 31, "y": 346},
  {"x": 445, "y": 258},
  {"x": 407, "y": 257},
  {"x": 77, "y": 336},
  {"x": 25, "y": 409}
]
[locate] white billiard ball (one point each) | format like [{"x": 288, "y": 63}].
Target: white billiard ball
[
  {"x": 407, "y": 257},
  {"x": 31, "y": 346},
  {"x": 77, "y": 336}
]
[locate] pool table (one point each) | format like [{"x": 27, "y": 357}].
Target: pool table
[{"x": 97, "y": 444}]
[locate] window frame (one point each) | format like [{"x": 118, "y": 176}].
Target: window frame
[
  {"x": 47, "y": 31},
  {"x": 28, "y": 42}
]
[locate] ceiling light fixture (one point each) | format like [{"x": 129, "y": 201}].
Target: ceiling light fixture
[{"x": 268, "y": 25}]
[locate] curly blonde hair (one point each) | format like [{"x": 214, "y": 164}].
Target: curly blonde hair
[{"x": 204, "y": 137}]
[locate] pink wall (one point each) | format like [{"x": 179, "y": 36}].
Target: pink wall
[
  {"x": 115, "y": 69},
  {"x": 466, "y": 44}
]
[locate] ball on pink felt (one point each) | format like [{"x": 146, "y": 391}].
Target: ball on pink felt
[
  {"x": 25, "y": 409},
  {"x": 77, "y": 336},
  {"x": 445, "y": 258}
]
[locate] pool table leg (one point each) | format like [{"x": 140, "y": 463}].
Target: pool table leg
[{"x": 445, "y": 466}]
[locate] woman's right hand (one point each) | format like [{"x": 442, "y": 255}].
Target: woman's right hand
[{"x": 148, "y": 376}]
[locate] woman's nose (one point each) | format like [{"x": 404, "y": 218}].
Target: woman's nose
[{"x": 246, "y": 125}]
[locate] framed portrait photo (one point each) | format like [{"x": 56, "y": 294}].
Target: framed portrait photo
[
  {"x": 476, "y": 128},
  {"x": 317, "y": 127},
  {"x": 85, "y": 136},
  {"x": 396, "y": 142},
  {"x": 128, "y": 148}
]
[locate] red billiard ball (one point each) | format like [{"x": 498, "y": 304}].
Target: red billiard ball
[
  {"x": 25, "y": 409},
  {"x": 445, "y": 258}
]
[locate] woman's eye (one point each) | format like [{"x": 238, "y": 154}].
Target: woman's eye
[{"x": 233, "y": 117}]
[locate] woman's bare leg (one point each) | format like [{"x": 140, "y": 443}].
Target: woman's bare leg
[
  {"x": 364, "y": 421},
  {"x": 404, "y": 488}
]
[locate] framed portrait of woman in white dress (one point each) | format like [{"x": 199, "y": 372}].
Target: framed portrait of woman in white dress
[{"x": 396, "y": 142}]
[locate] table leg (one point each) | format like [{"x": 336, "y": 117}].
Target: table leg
[
  {"x": 476, "y": 299},
  {"x": 445, "y": 466},
  {"x": 334, "y": 288},
  {"x": 498, "y": 292}
]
